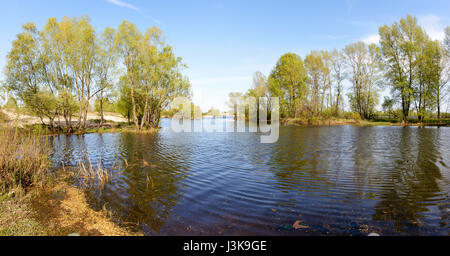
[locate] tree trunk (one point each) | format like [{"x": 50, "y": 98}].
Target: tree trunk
[
  {"x": 133, "y": 103},
  {"x": 144, "y": 116},
  {"x": 101, "y": 109},
  {"x": 438, "y": 105}
]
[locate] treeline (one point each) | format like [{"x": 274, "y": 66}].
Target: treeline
[
  {"x": 406, "y": 60},
  {"x": 61, "y": 70}
]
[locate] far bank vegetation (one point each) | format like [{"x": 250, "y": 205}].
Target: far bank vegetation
[
  {"x": 414, "y": 67},
  {"x": 65, "y": 69}
]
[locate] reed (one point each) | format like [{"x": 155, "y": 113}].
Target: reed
[
  {"x": 24, "y": 160},
  {"x": 90, "y": 176}
]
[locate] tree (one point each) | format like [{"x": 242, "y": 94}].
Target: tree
[
  {"x": 26, "y": 74},
  {"x": 339, "y": 75},
  {"x": 440, "y": 73},
  {"x": 127, "y": 42},
  {"x": 260, "y": 90},
  {"x": 400, "y": 50},
  {"x": 427, "y": 87},
  {"x": 364, "y": 76},
  {"x": 105, "y": 66},
  {"x": 447, "y": 40},
  {"x": 326, "y": 82},
  {"x": 288, "y": 81},
  {"x": 388, "y": 105},
  {"x": 61, "y": 69},
  {"x": 314, "y": 65}
]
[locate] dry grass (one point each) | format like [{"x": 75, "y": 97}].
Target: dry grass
[
  {"x": 64, "y": 209},
  {"x": 24, "y": 161},
  {"x": 54, "y": 207},
  {"x": 3, "y": 117}
]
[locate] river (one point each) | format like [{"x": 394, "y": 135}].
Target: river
[{"x": 338, "y": 180}]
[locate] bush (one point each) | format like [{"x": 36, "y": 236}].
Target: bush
[{"x": 352, "y": 116}]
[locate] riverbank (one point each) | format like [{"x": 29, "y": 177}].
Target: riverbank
[
  {"x": 57, "y": 210},
  {"x": 37, "y": 201},
  {"x": 358, "y": 122},
  {"x": 113, "y": 122}
]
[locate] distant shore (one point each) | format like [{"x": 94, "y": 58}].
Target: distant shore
[{"x": 356, "y": 122}]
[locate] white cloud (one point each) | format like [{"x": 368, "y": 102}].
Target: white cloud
[
  {"x": 433, "y": 26},
  {"x": 222, "y": 80},
  {"x": 123, "y": 4},
  {"x": 371, "y": 39}
]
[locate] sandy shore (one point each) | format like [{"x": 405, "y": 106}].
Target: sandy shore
[{"x": 22, "y": 119}]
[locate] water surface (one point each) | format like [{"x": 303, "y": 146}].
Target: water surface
[{"x": 341, "y": 180}]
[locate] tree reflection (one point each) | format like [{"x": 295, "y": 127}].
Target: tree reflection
[
  {"x": 149, "y": 187},
  {"x": 413, "y": 182}
]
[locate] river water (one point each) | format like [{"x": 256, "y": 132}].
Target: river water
[{"x": 339, "y": 180}]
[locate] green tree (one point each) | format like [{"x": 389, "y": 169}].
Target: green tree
[
  {"x": 288, "y": 82},
  {"x": 364, "y": 74},
  {"x": 339, "y": 74},
  {"x": 105, "y": 68},
  {"x": 388, "y": 106},
  {"x": 259, "y": 90},
  {"x": 400, "y": 49},
  {"x": 315, "y": 66},
  {"x": 127, "y": 40}
]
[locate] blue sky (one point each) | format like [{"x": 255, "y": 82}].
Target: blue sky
[{"x": 225, "y": 42}]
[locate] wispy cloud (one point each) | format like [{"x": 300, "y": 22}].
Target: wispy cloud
[
  {"x": 123, "y": 4},
  {"x": 371, "y": 39},
  {"x": 222, "y": 80},
  {"x": 433, "y": 26}
]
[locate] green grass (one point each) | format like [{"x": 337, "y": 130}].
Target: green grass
[
  {"x": 358, "y": 122},
  {"x": 17, "y": 218}
]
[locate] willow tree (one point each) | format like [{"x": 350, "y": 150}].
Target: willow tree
[
  {"x": 339, "y": 74},
  {"x": 26, "y": 74},
  {"x": 326, "y": 81},
  {"x": 442, "y": 66},
  {"x": 170, "y": 83},
  {"x": 427, "y": 93},
  {"x": 260, "y": 90},
  {"x": 153, "y": 75},
  {"x": 400, "y": 45},
  {"x": 127, "y": 42},
  {"x": 106, "y": 58},
  {"x": 315, "y": 66},
  {"x": 69, "y": 49},
  {"x": 85, "y": 51},
  {"x": 288, "y": 82},
  {"x": 364, "y": 74}
]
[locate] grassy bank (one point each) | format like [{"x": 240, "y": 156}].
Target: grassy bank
[
  {"x": 359, "y": 122},
  {"x": 111, "y": 128},
  {"x": 37, "y": 201}
]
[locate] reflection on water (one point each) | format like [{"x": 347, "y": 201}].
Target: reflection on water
[{"x": 336, "y": 180}]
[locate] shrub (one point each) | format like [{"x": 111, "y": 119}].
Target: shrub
[{"x": 352, "y": 116}]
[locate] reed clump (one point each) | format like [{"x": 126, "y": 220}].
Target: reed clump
[
  {"x": 24, "y": 160},
  {"x": 89, "y": 176}
]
